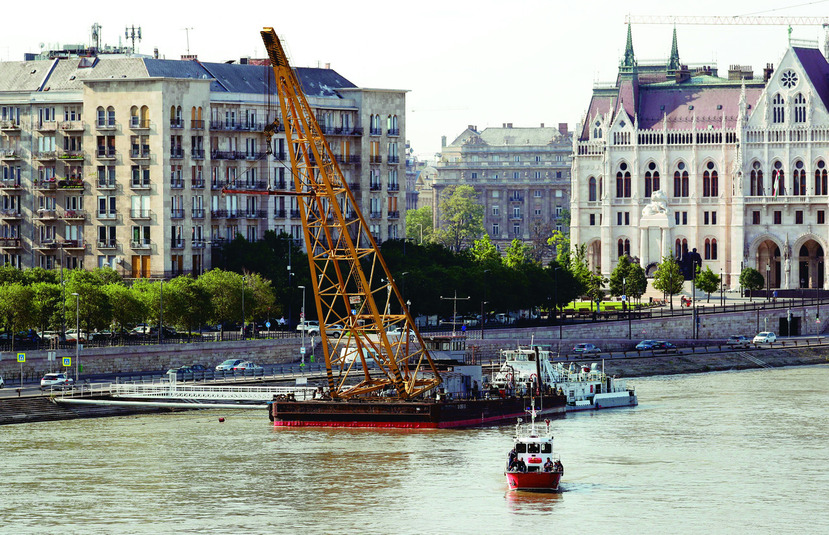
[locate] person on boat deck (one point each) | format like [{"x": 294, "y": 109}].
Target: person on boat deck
[
  {"x": 511, "y": 459},
  {"x": 559, "y": 467},
  {"x": 548, "y": 466}
]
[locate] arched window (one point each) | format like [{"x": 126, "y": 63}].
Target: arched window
[
  {"x": 135, "y": 119},
  {"x": 778, "y": 110},
  {"x": 799, "y": 108},
  {"x": 713, "y": 248},
  {"x": 110, "y": 116},
  {"x": 623, "y": 181},
  {"x": 777, "y": 180},
  {"x": 102, "y": 116},
  {"x": 651, "y": 180},
  {"x": 591, "y": 189},
  {"x": 710, "y": 187},
  {"x": 707, "y": 254},
  {"x": 820, "y": 178},
  {"x": 680, "y": 180},
  {"x": 678, "y": 248},
  {"x": 684, "y": 246},
  {"x": 799, "y": 179},
  {"x": 756, "y": 179},
  {"x": 627, "y": 247},
  {"x": 145, "y": 116},
  {"x": 620, "y": 246}
]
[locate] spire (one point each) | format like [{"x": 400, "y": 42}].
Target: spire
[
  {"x": 629, "y": 60},
  {"x": 673, "y": 63}
]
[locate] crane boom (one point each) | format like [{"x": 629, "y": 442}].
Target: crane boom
[
  {"x": 736, "y": 20},
  {"x": 348, "y": 273}
]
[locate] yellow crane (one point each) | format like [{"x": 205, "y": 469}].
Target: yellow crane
[{"x": 353, "y": 288}]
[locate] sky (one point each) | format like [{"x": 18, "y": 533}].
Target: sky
[{"x": 463, "y": 62}]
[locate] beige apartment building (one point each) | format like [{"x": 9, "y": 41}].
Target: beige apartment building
[
  {"x": 521, "y": 176},
  {"x": 121, "y": 161}
]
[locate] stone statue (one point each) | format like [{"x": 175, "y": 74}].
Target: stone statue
[{"x": 658, "y": 204}]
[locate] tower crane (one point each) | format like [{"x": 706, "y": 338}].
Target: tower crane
[{"x": 352, "y": 284}]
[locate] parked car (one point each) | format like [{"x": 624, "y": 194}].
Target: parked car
[
  {"x": 56, "y": 380},
  {"x": 645, "y": 344},
  {"x": 228, "y": 365},
  {"x": 73, "y": 336},
  {"x": 334, "y": 330},
  {"x": 662, "y": 345},
  {"x": 586, "y": 348},
  {"x": 310, "y": 327},
  {"x": 738, "y": 341},
  {"x": 247, "y": 366},
  {"x": 2, "y": 382},
  {"x": 765, "y": 337}
]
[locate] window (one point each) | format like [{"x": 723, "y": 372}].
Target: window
[
  {"x": 516, "y": 230},
  {"x": 755, "y": 217},
  {"x": 496, "y": 229},
  {"x": 705, "y": 218},
  {"x": 592, "y": 220},
  {"x": 619, "y": 218},
  {"x": 676, "y": 218},
  {"x": 681, "y": 180},
  {"x": 684, "y": 218},
  {"x": 623, "y": 247},
  {"x": 798, "y": 217},
  {"x": 713, "y": 218},
  {"x": 799, "y": 108},
  {"x": 778, "y": 109},
  {"x": 627, "y": 218},
  {"x": 756, "y": 182},
  {"x": 821, "y": 217},
  {"x": 710, "y": 186},
  {"x": 820, "y": 179},
  {"x": 651, "y": 180},
  {"x": 623, "y": 181},
  {"x": 777, "y": 180},
  {"x": 496, "y": 210},
  {"x": 778, "y": 217},
  {"x": 591, "y": 189},
  {"x": 537, "y": 193},
  {"x": 799, "y": 179}
]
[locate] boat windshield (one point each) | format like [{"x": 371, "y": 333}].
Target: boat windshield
[{"x": 534, "y": 447}]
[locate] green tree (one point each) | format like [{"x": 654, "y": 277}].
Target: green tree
[
  {"x": 128, "y": 308},
  {"x": 46, "y": 299},
  {"x": 225, "y": 290},
  {"x": 595, "y": 288},
  {"x": 261, "y": 294},
  {"x": 484, "y": 252},
  {"x": 10, "y": 274},
  {"x": 561, "y": 242},
  {"x": 419, "y": 227},
  {"x": 564, "y": 219},
  {"x": 618, "y": 282},
  {"x": 518, "y": 254},
  {"x": 192, "y": 304},
  {"x": 39, "y": 274},
  {"x": 752, "y": 280},
  {"x": 15, "y": 307},
  {"x": 637, "y": 282},
  {"x": 668, "y": 278},
  {"x": 107, "y": 275},
  {"x": 95, "y": 308},
  {"x": 708, "y": 281},
  {"x": 461, "y": 217}
]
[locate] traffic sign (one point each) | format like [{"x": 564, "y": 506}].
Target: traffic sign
[
  {"x": 301, "y": 350},
  {"x": 302, "y": 315},
  {"x": 67, "y": 362},
  {"x": 50, "y": 355},
  {"x": 21, "y": 357},
  {"x": 268, "y": 324}
]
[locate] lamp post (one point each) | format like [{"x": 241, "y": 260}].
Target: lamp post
[
  {"x": 694, "y": 298},
  {"x": 454, "y": 309},
  {"x": 627, "y": 305},
  {"x": 768, "y": 282},
  {"x": 483, "y": 302},
  {"x": 421, "y": 233},
  {"x": 161, "y": 312},
  {"x": 302, "y": 321},
  {"x": 555, "y": 305},
  {"x": 244, "y": 332},
  {"x": 77, "y": 332},
  {"x": 722, "y": 298}
]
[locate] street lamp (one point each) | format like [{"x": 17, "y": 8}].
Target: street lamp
[
  {"x": 555, "y": 305},
  {"x": 161, "y": 313},
  {"x": 722, "y": 298},
  {"x": 302, "y": 321},
  {"x": 244, "y": 332},
  {"x": 455, "y": 309},
  {"x": 77, "y": 332},
  {"x": 483, "y": 302},
  {"x": 627, "y": 305},
  {"x": 421, "y": 233},
  {"x": 768, "y": 282}
]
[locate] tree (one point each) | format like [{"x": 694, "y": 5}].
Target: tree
[
  {"x": 261, "y": 294},
  {"x": 127, "y": 306},
  {"x": 752, "y": 280},
  {"x": 419, "y": 226},
  {"x": 225, "y": 290},
  {"x": 45, "y": 301},
  {"x": 595, "y": 288},
  {"x": 668, "y": 278},
  {"x": 539, "y": 240},
  {"x": 190, "y": 303},
  {"x": 484, "y": 252},
  {"x": 561, "y": 242},
  {"x": 461, "y": 217},
  {"x": 518, "y": 254},
  {"x": 15, "y": 307},
  {"x": 637, "y": 282},
  {"x": 95, "y": 308},
  {"x": 708, "y": 281},
  {"x": 619, "y": 275}
]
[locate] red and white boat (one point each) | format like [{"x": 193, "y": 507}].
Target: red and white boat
[{"x": 532, "y": 465}]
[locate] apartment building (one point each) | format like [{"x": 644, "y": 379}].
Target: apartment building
[{"x": 121, "y": 161}]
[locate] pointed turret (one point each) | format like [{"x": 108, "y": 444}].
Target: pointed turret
[
  {"x": 629, "y": 61},
  {"x": 673, "y": 63}
]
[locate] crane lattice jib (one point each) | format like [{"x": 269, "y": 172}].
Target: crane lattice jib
[
  {"x": 352, "y": 284},
  {"x": 724, "y": 20}
]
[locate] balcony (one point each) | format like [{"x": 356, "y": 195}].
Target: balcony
[
  {"x": 144, "y": 243},
  {"x": 45, "y": 245},
  {"x": 176, "y": 152},
  {"x": 197, "y": 183},
  {"x": 197, "y": 154},
  {"x": 354, "y": 186},
  {"x": 72, "y": 126},
  {"x": 46, "y": 126},
  {"x": 45, "y": 185},
  {"x": 10, "y": 154},
  {"x": 255, "y": 155},
  {"x": 255, "y": 214},
  {"x": 393, "y": 187},
  {"x": 107, "y": 216},
  {"x": 280, "y": 156},
  {"x": 9, "y": 214},
  {"x": 177, "y": 243},
  {"x": 198, "y": 213},
  {"x": 218, "y": 214},
  {"x": 176, "y": 123},
  {"x": 45, "y": 156},
  {"x": 294, "y": 213},
  {"x": 375, "y": 159},
  {"x": 71, "y": 156},
  {"x": 516, "y": 198},
  {"x": 71, "y": 183},
  {"x": 177, "y": 213},
  {"x": 10, "y": 243},
  {"x": 375, "y": 187},
  {"x": 73, "y": 215},
  {"x": 375, "y": 215},
  {"x": 251, "y": 127},
  {"x": 232, "y": 214},
  {"x": 197, "y": 124},
  {"x": 280, "y": 214},
  {"x": 393, "y": 132},
  {"x": 225, "y": 155},
  {"x": 140, "y": 213},
  {"x": 375, "y": 131},
  {"x": 394, "y": 214},
  {"x": 198, "y": 244},
  {"x": 217, "y": 185},
  {"x": 139, "y": 184},
  {"x": 10, "y": 185},
  {"x": 8, "y": 125},
  {"x": 140, "y": 152},
  {"x": 106, "y": 184},
  {"x": 73, "y": 246},
  {"x": 177, "y": 183},
  {"x": 103, "y": 124},
  {"x": 394, "y": 159},
  {"x": 106, "y": 153},
  {"x": 107, "y": 244},
  {"x": 136, "y": 123}
]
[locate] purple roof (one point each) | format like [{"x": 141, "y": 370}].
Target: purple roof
[
  {"x": 599, "y": 105},
  {"x": 682, "y": 104},
  {"x": 816, "y": 69}
]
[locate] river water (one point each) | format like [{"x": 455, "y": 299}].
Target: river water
[{"x": 734, "y": 452}]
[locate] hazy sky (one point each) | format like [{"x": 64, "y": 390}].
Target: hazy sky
[{"x": 463, "y": 62}]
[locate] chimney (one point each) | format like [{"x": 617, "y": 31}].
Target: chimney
[
  {"x": 155, "y": 52},
  {"x": 768, "y": 71},
  {"x": 562, "y": 128},
  {"x": 443, "y": 142},
  {"x": 328, "y": 66},
  {"x": 243, "y": 61},
  {"x": 682, "y": 74},
  {"x": 503, "y": 125},
  {"x": 509, "y": 125},
  {"x": 470, "y": 127},
  {"x": 542, "y": 125}
]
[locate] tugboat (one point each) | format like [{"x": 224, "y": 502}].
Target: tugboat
[{"x": 531, "y": 465}]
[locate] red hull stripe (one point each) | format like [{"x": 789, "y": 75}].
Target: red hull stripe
[{"x": 405, "y": 425}]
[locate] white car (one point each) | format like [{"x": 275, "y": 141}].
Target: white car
[
  {"x": 56, "y": 380},
  {"x": 247, "y": 366},
  {"x": 228, "y": 365},
  {"x": 738, "y": 341},
  {"x": 2, "y": 383},
  {"x": 310, "y": 327},
  {"x": 764, "y": 337}
]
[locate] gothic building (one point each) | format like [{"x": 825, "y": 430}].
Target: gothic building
[{"x": 672, "y": 158}]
